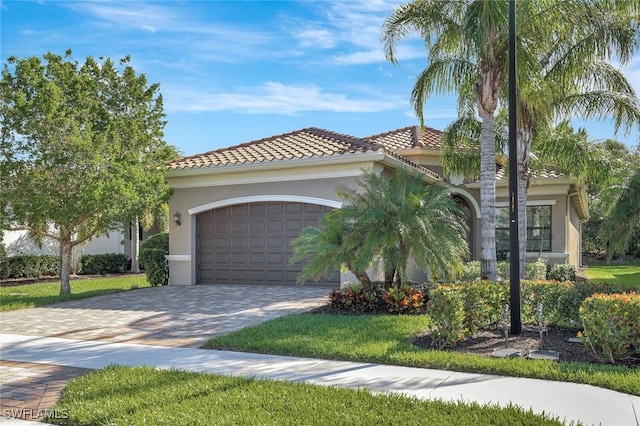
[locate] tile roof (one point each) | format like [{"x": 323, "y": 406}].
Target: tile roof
[
  {"x": 408, "y": 137},
  {"x": 305, "y": 143},
  {"x": 501, "y": 174}
]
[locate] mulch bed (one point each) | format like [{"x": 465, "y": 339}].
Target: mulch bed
[{"x": 486, "y": 341}]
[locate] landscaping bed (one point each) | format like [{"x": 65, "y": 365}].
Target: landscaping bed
[
  {"x": 556, "y": 338},
  {"x": 483, "y": 343}
]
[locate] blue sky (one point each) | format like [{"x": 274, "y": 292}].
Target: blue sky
[{"x": 235, "y": 71}]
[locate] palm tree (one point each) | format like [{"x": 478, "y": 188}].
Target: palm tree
[
  {"x": 335, "y": 243},
  {"x": 466, "y": 42},
  {"x": 393, "y": 219},
  {"x": 571, "y": 76},
  {"x": 624, "y": 220},
  {"x": 561, "y": 70}
]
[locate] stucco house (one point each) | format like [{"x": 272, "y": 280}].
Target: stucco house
[{"x": 238, "y": 208}]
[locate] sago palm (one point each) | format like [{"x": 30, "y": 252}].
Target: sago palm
[{"x": 389, "y": 220}]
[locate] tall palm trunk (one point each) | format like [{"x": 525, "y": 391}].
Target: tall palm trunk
[
  {"x": 524, "y": 139},
  {"x": 488, "y": 197}
]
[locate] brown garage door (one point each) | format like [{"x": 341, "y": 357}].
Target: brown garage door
[{"x": 250, "y": 243}]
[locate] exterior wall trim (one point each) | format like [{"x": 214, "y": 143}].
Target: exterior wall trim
[
  {"x": 529, "y": 203},
  {"x": 264, "y": 198},
  {"x": 178, "y": 257}
]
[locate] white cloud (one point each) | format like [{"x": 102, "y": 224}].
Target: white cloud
[
  {"x": 377, "y": 55},
  {"x": 354, "y": 29},
  {"x": 435, "y": 114},
  {"x": 276, "y": 98},
  {"x": 142, "y": 16},
  {"x": 315, "y": 36},
  {"x": 151, "y": 17}
]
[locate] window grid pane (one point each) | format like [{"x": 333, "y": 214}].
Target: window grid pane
[{"x": 538, "y": 229}]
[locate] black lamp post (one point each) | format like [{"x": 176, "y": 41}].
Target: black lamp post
[{"x": 514, "y": 250}]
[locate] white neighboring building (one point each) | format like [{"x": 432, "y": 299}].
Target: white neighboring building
[{"x": 19, "y": 242}]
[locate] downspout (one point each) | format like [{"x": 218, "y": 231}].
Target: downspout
[{"x": 579, "y": 254}]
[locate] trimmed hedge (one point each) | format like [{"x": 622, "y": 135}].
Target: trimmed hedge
[
  {"x": 101, "y": 264},
  {"x": 30, "y": 266},
  {"x": 483, "y": 302},
  {"x": 538, "y": 270},
  {"x": 611, "y": 324},
  {"x": 152, "y": 259}
]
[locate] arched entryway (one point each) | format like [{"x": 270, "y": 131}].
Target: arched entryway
[{"x": 470, "y": 219}]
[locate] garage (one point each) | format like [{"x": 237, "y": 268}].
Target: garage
[{"x": 250, "y": 243}]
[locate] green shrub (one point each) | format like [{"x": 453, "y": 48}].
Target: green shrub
[
  {"x": 32, "y": 266},
  {"x": 4, "y": 268},
  {"x": 446, "y": 309},
  {"x": 100, "y": 264},
  {"x": 354, "y": 298},
  {"x": 532, "y": 270},
  {"x": 483, "y": 301},
  {"x": 536, "y": 271},
  {"x": 404, "y": 299},
  {"x": 152, "y": 259},
  {"x": 548, "y": 293},
  {"x": 562, "y": 272},
  {"x": 471, "y": 271},
  {"x": 570, "y": 301},
  {"x": 611, "y": 325}
]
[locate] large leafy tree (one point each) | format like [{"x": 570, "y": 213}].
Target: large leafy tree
[
  {"x": 390, "y": 219},
  {"x": 81, "y": 148}
]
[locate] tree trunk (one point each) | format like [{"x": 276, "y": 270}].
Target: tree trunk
[
  {"x": 65, "y": 264},
  {"x": 488, "y": 198},
  {"x": 135, "y": 245},
  {"x": 525, "y": 135},
  {"x": 522, "y": 220},
  {"x": 364, "y": 279},
  {"x": 389, "y": 277}
]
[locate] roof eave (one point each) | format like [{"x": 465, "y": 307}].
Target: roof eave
[{"x": 278, "y": 164}]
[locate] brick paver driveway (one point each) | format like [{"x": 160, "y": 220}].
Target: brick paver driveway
[{"x": 165, "y": 316}]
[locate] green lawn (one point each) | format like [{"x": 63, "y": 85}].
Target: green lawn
[
  {"x": 625, "y": 274},
  {"x": 386, "y": 339},
  {"x": 31, "y": 295},
  {"x": 143, "y": 395}
]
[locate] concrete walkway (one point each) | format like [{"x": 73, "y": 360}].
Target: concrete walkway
[{"x": 569, "y": 401}]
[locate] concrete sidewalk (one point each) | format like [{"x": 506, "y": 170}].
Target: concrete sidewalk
[{"x": 569, "y": 401}]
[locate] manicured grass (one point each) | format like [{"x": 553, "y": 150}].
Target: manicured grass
[
  {"x": 142, "y": 395},
  {"x": 626, "y": 275},
  {"x": 31, "y": 295},
  {"x": 386, "y": 339}
]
